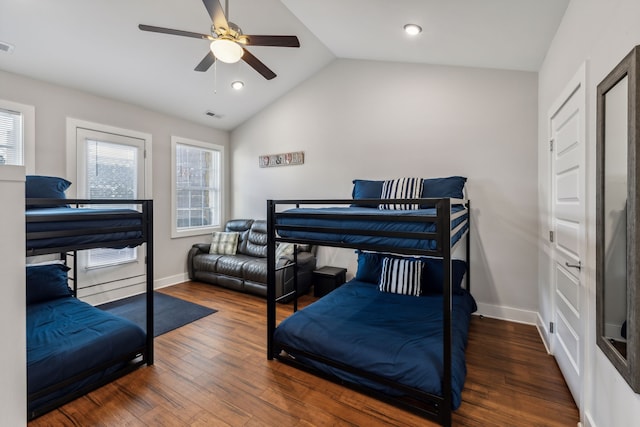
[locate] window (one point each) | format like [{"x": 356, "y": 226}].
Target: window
[
  {"x": 197, "y": 187},
  {"x": 108, "y": 162},
  {"x": 17, "y": 134},
  {"x": 111, "y": 173}
]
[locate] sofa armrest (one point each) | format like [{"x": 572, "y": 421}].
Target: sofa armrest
[
  {"x": 198, "y": 248},
  {"x": 202, "y": 247}
]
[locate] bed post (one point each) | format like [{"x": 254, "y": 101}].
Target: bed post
[
  {"x": 444, "y": 233},
  {"x": 468, "y": 254},
  {"x": 147, "y": 208},
  {"x": 271, "y": 277}
]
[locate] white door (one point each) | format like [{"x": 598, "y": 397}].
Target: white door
[
  {"x": 110, "y": 165},
  {"x": 567, "y": 233}
]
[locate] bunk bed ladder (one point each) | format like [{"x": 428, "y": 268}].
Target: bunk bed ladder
[{"x": 147, "y": 207}]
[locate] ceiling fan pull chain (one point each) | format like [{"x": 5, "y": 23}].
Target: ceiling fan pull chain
[{"x": 215, "y": 77}]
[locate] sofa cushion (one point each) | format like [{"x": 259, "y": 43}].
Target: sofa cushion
[
  {"x": 205, "y": 262},
  {"x": 255, "y": 270},
  {"x": 241, "y": 226},
  {"x": 256, "y": 240},
  {"x": 231, "y": 265}
]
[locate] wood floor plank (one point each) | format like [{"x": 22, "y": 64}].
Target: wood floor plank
[{"x": 214, "y": 372}]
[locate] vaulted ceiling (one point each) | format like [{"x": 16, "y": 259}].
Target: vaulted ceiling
[{"x": 96, "y": 45}]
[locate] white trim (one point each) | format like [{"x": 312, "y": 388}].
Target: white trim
[
  {"x": 72, "y": 165},
  {"x": 175, "y": 140},
  {"x": 507, "y": 313},
  {"x": 575, "y": 87},
  {"x": 588, "y": 420},
  {"x": 12, "y": 173},
  {"x": 171, "y": 280},
  {"x": 29, "y": 132},
  {"x": 544, "y": 333}
]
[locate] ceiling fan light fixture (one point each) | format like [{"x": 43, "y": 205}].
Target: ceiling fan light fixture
[
  {"x": 237, "y": 84},
  {"x": 412, "y": 29},
  {"x": 226, "y": 50}
]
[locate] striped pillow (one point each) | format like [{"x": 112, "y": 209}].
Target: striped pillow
[
  {"x": 401, "y": 276},
  {"x": 224, "y": 243},
  {"x": 403, "y": 188}
]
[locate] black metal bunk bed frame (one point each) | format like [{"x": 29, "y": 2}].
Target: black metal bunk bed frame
[
  {"x": 434, "y": 407},
  {"x": 139, "y": 356}
]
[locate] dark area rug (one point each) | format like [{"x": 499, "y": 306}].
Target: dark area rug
[{"x": 169, "y": 312}]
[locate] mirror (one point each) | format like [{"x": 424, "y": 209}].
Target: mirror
[{"x": 617, "y": 225}]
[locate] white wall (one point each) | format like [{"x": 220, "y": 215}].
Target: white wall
[
  {"x": 600, "y": 33},
  {"x": 53, "y": 104},
  {"x": 13, "y": 363},
  {"x": 381, "y": 120}
]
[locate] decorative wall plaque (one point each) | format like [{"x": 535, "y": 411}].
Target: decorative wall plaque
[{"x": 284, "y": 159}]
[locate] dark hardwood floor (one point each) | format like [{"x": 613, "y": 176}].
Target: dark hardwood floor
[{"x": 214, "y": 372}]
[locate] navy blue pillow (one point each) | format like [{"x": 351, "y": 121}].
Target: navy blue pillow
[
  {"x": 369, "y": 267},
  {"x": 444, "y": 187},
  {"x": 365, "y": 189},
  {"x": 45, "y": 187},
  {"x": 432, "y": 276},
  {"x": 47, "y": 282}
]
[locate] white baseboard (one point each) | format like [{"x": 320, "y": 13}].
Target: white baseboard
[
  {"x": 171, "y": 280},
  {"x": 544, "y": 332},
  {"x": 507, "y": 313},
  {"x": 588, "y": 420}
]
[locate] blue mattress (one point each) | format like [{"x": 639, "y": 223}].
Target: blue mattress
[
  {"x": 67, "y": 219},
  {"x": 368, "y": 225},
  {"x": 66, "y": 337},
  {"x": 398, "y": 337}
]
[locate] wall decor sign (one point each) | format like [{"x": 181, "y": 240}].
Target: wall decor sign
[{"x": 284, "y": 159}]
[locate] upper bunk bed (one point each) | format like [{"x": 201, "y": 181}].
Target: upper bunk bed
[
  {"x": 371, "y": 334},
  {"x": 73, "y": 347}
]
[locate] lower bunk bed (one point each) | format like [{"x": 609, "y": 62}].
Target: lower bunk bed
[
  {"x": 73, "y": 347},
  {"x": 397, "y": 331}
]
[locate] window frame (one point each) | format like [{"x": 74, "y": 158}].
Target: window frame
[
  {"x": 28, "y": 113},
  {"x": 195, "y": 231}
]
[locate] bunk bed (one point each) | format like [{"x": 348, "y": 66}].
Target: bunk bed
[
  {"x": 73, "y": 347},
  {"x": 401, "y": 349}
]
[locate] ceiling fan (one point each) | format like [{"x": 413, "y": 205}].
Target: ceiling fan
[{"x": 227, "y": 41}]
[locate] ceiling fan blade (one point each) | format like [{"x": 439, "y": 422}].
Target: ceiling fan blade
[
  {"x": 257, "y": 65},
  {"x": 217, "y": 14},
  {"x": 206, "y": 62},
  {"x": 280, "y": 41},
  {"x": 174, "y": 32}
]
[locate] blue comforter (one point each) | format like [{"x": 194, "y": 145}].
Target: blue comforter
[
  {"x": 66, "y": 336},
  {"x": 367, "y": 225},
  {"x": 395, "y": 336},
  {"x": 91, "y": 229}
]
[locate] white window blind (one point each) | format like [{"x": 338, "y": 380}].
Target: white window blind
[
  {"x": 11, "y": 138},
  {"x": 197, "y": 187},
  {"x": 111, "y": 174}
]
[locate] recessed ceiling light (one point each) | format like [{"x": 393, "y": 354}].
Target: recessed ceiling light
[
  {"x": 237, "y": 85},
  {"x": 412, "y": 29}
]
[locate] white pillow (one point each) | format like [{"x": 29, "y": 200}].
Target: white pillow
[
  {"x": 284, "y": 250},
  {"x": 224, "y": 243},
  {"x": 401, "y": 276},
  {"x": 402, "y": 188}
]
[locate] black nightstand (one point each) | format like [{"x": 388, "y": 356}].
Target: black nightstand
[{"x": 326, "y": 279}]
